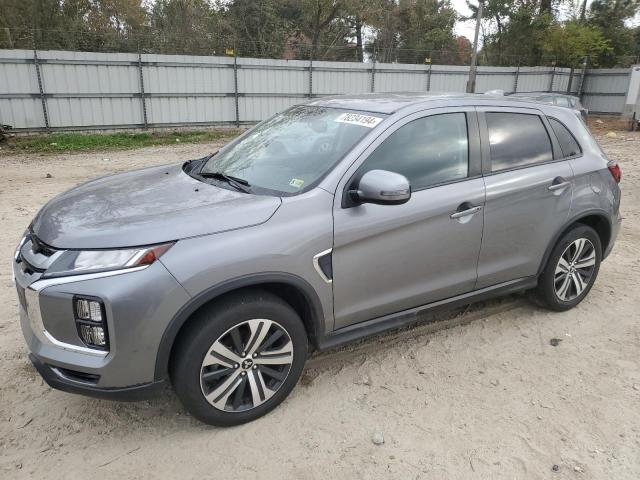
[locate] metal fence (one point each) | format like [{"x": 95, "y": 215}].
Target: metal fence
[{"x": 62, "y": 90}]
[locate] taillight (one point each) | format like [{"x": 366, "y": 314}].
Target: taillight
[{"x": 615, "y": 170}]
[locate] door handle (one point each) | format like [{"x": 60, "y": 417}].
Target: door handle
[
  {"x": 558, "y": 184},
  {"x": 465, "y": 213}
]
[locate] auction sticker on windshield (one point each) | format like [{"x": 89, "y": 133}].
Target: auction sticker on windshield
[{"x": 368, "y": 121}]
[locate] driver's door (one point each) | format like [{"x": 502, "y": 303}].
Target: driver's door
[{"x": 388, "y": 258}]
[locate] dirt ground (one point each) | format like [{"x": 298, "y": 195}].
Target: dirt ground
[{"x": 487, "y": 397}]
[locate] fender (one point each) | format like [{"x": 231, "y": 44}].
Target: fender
[
  {"x": 179, "y": 319},
  {"x": 586, "y": 213}
]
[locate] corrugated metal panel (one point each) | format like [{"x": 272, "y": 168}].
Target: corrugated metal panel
[
  {"x": 187, "y": 74},
  {"x": 254, "y": 109},
  {"x": 495, "y": 78},
  {"x": 86, "y": 89},
  {"x": 21, "y": 112},
  {"x": 272, "y": 76},
  {"x": 534, "y": 79},
  {"x": 449, "y": 78},
  {"x": 604, "y": 104},
  {"x": 561, "y": 80},
  {"x": 332, "y": 78},
  {"x": 392, "y": 77},
  {"x": 185, "y": 110},
  {"x": 605, "y": 89},
  {"x": 607, "y": 80}
]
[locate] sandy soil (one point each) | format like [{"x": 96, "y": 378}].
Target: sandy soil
[{"x": 487, "y": 397}]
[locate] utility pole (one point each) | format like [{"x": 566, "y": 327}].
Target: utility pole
[{"x": 471, "y": 83}]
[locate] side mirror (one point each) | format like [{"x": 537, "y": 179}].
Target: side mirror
[{"x": 383, "y": 188}]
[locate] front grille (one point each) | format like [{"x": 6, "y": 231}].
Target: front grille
[
  {"x": 37, "y": 246},
  {"x": 35, "y": 256},
  {"x": 27, "y": 267}
]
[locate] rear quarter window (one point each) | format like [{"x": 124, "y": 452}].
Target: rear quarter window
[{"x": 568, "y": 143}]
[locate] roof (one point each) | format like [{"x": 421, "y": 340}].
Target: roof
[
  {"x": 542, "y": 94},
  {"x": 392, "y": 102}
]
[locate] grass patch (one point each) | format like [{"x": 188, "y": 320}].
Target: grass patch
[{"x": 82, "y": 142}]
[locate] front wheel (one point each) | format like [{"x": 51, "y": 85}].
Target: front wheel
[
  {"x": 239, "y": 359},
  {"x": 571, "y": 270}
]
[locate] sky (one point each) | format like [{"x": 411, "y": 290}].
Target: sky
[{"x": 463, "y": 28}]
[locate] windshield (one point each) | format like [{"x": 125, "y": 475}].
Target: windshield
[{"x": 292, "y": 150}]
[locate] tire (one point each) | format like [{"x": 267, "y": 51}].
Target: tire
[
  {"x": 232, "y": 389},
  {"x": 563, "y": 283}
]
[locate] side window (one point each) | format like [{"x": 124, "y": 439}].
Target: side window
[
  {"x": 567, "y": 141},
  {"x": 516, "y": 140},
  {"x": 427, "y": 151}
]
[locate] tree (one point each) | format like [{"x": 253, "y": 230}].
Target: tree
[
  {"x": 413, "y": 30},
  {"x": 72, "y": 24},
  {"x": 610, "y": 17},
  {"x": 258, "y": 28},
  {"x": 425, "y": 26},
  {"x": 571, "y": 42},
  {"x": 184, "y": 26},
  {"x": 318, "y": 17}
]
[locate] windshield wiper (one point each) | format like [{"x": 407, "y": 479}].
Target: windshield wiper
[{"x": 238, "y": 183}]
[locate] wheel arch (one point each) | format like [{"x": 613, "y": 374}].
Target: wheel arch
[
  {"x": 294, "y": 290},
  {"x": 596, "y": 219}
]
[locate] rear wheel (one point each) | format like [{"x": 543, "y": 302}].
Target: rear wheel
[
  {"x": 239, "y": 359},
  {"x": 571, "y": 270}
]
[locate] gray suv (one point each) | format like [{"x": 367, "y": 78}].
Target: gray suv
[{"x": 333, "y": 220}]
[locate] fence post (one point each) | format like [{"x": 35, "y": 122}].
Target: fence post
[
  {"x": 143, "y": 101},
  {"x": 582, "y": 75},
  {"x": 570, "y": 81},
  {"x": 553, "y": 75},
  {"x": 429, "y": 74},
  {"x": 373, "y": 72},
  {"x": 43, "y": 98},
  {"x": 516, "y": 78},
  {"x": 235, "y": 85},
  {"x": 310, "y": 76}
]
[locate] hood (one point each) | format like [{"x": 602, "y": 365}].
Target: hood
[{"x": 144, "y": 207}]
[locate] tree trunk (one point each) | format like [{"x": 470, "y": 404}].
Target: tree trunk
[
  {"x": 359, "y": 39},
  {"x": 545, "y": 6},
  {"x": 583, "y": 11}
]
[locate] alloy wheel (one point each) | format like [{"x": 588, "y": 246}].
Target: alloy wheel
[
  {"x": 574, "y": 270},
  {"x": 246, "y": 365}
]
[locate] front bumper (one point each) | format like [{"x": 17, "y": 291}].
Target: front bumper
[
  {"x": 138, "y": 305},
  {"x": 58, "y": 379}
]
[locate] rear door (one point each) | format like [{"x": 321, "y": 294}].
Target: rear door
[
  {"x": 388, "y": 258},
  {"x": 529, "y": 189}
]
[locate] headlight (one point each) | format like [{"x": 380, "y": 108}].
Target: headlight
[
  {"x": 23, "y": 240},
  {"x": 78, "y": 262}
]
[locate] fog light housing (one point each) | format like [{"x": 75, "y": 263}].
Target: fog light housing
[
  {"x": 88, "y": 310},
  {"x": 91, "y": 322},
  {"x": 93, "y": 335}
]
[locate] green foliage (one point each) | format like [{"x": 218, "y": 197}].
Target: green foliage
[
  {"x": 425, "y": 26},
  {"x": 609, "y": 16},
  {"x": 79, "y": 142},
  {"x": 410, "y": 31},
  {"x": 183, "y": 26},
  {"x": 568, "y": 44},
  {"x": 256, "y": 28},
  {"x": 526, "y": 32}
]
